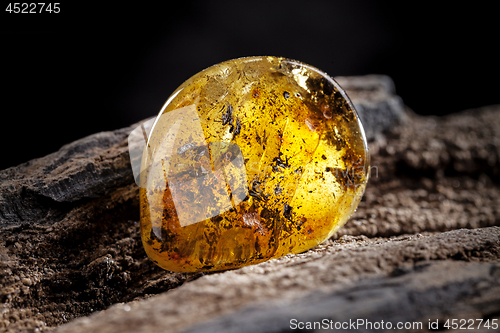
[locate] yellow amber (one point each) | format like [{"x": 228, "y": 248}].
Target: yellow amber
[{"x": 253, "y": 159}]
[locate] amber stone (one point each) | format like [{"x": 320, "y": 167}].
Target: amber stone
[{"x": 248, "y": 160}]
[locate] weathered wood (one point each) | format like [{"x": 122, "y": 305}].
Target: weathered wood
[
  {"x": 409, "y": 278},
  {"x": 70, "y": 243}
]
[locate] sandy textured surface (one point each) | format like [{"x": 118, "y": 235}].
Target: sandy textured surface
[{"x": 423, "y": 244}]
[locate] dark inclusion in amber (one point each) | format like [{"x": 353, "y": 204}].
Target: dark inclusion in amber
[{"x": 249, "y": 160}]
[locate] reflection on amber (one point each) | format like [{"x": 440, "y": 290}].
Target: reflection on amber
[{"x": 302, "y": 171}]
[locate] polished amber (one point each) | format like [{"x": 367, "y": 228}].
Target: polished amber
[{"x": 273, "y": 161}]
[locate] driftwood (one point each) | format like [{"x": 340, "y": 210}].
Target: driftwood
[{"x": 422, "y": 246}]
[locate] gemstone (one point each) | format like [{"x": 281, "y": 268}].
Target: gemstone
[{"x": 248, "y": 160}]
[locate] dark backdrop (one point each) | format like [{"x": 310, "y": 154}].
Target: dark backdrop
[{"x": 96, "y": 67}]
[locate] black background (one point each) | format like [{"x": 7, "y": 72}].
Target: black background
[{"x": 96, "y": 67}]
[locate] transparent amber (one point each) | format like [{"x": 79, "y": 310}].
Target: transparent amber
[{"x": 261, "y": 157}]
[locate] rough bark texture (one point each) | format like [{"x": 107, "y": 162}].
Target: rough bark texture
[{"x": 70, "y": 243}]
